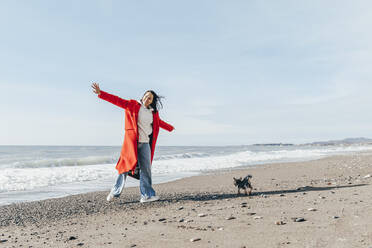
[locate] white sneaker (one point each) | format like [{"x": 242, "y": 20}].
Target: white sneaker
[
  {"x": 110, "y": 196},
  {"x": 149, "y": 199}
]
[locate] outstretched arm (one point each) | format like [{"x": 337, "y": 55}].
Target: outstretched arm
[
  {"x": 165, "y": 125},
  {"x": 122, "y": 103}
]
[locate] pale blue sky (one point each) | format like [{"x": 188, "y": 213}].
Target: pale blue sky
[{"x": 232, "y": 72}]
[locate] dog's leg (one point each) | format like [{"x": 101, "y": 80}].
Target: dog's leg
[
  {"x": 238, "y": 191},
  {"x": 245, "y": 190},
  {"x": 250, "y": 191}
]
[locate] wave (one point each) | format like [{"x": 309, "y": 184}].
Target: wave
[
  {"x": 249, "y": 158},
  {"x": 62, "y": 162},
  {"x": 31, "y": 178},
  {"x": 83, "y": 161},
  {"x": 182, "y": 156}
]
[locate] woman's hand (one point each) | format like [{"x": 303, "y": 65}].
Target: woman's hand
[{"x": 96, "y": 88}]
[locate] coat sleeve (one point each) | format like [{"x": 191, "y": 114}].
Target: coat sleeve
[
  {"x": 165, "y": 125},
  {"x": 122, "y": 103}
]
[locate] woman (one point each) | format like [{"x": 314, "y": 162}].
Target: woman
[{"x": 142, "y": 123}]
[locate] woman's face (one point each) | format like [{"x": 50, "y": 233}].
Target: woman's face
[{"x": 147, "y": 99}]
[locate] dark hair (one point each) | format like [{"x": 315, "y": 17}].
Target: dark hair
[{"x": 156, "y": 101}]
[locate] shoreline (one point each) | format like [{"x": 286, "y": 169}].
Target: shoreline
[
  {"x": 336, "y": 187},
  {"x": 55, "y": 192}
]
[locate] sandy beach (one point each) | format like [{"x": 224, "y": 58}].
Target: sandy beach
[{"x": 321, "y": 203}]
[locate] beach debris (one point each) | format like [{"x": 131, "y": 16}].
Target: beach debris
[
  {"x": 367, "y": 176},
  {"x": 257, "y": 217},
  {"x": 312, "y": 209},
  {"x": 202, "y": 215},
  {"x": 3, "y": 240},
  {"x": 230, "y": 218},
  {"x": 162, "y": 219},
  {"x": 298, "y": 219},
  {"x": 72, "y": 238},
  {"x": 195, "y": 239},
  {"x": 279, "y": 223}
]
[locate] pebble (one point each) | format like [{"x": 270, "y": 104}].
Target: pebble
[
  {"x": 279, "y": 223},
  {"x": 230, "y": 218},
  {"x": 162, "y": 219},
  {"x": 257, "y": 217},
  {"x": 3, "y": 240},
  {"x": 181, "y": 220},
  {"x": 367, "y": 176},
  {"x": 282, "y": 195},
  {"x": 195, "y": 239},
  {"x": 72, "y": 238},
  {"x": 133, "y": 245},
  {"x": 335, "y": 217},
  {"x": 202, "y": 215},
  {"x": 311, "y": 209},
  {"x": 180, "y": 208},
  {"x": 80, "y": 244},
  {"x": 299, "y": 219},
  {"x": 220, "y": 229}
]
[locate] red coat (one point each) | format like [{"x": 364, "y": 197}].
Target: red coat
[{"x": 128, "y": 155}]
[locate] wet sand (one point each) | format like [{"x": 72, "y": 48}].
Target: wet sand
[{"x": 321, "y": 203}]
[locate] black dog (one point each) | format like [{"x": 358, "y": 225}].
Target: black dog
[{"x": 243, "y": 184}]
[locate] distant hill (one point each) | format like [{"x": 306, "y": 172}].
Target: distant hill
[
  {"x": 273, "y": 144},
  {"x": 347, "y": 141}
]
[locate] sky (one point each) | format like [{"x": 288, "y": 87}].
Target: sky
[{"x": 232, "y": 72}]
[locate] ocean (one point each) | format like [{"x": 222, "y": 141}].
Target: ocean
[{"x": 29, "y": 173}]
